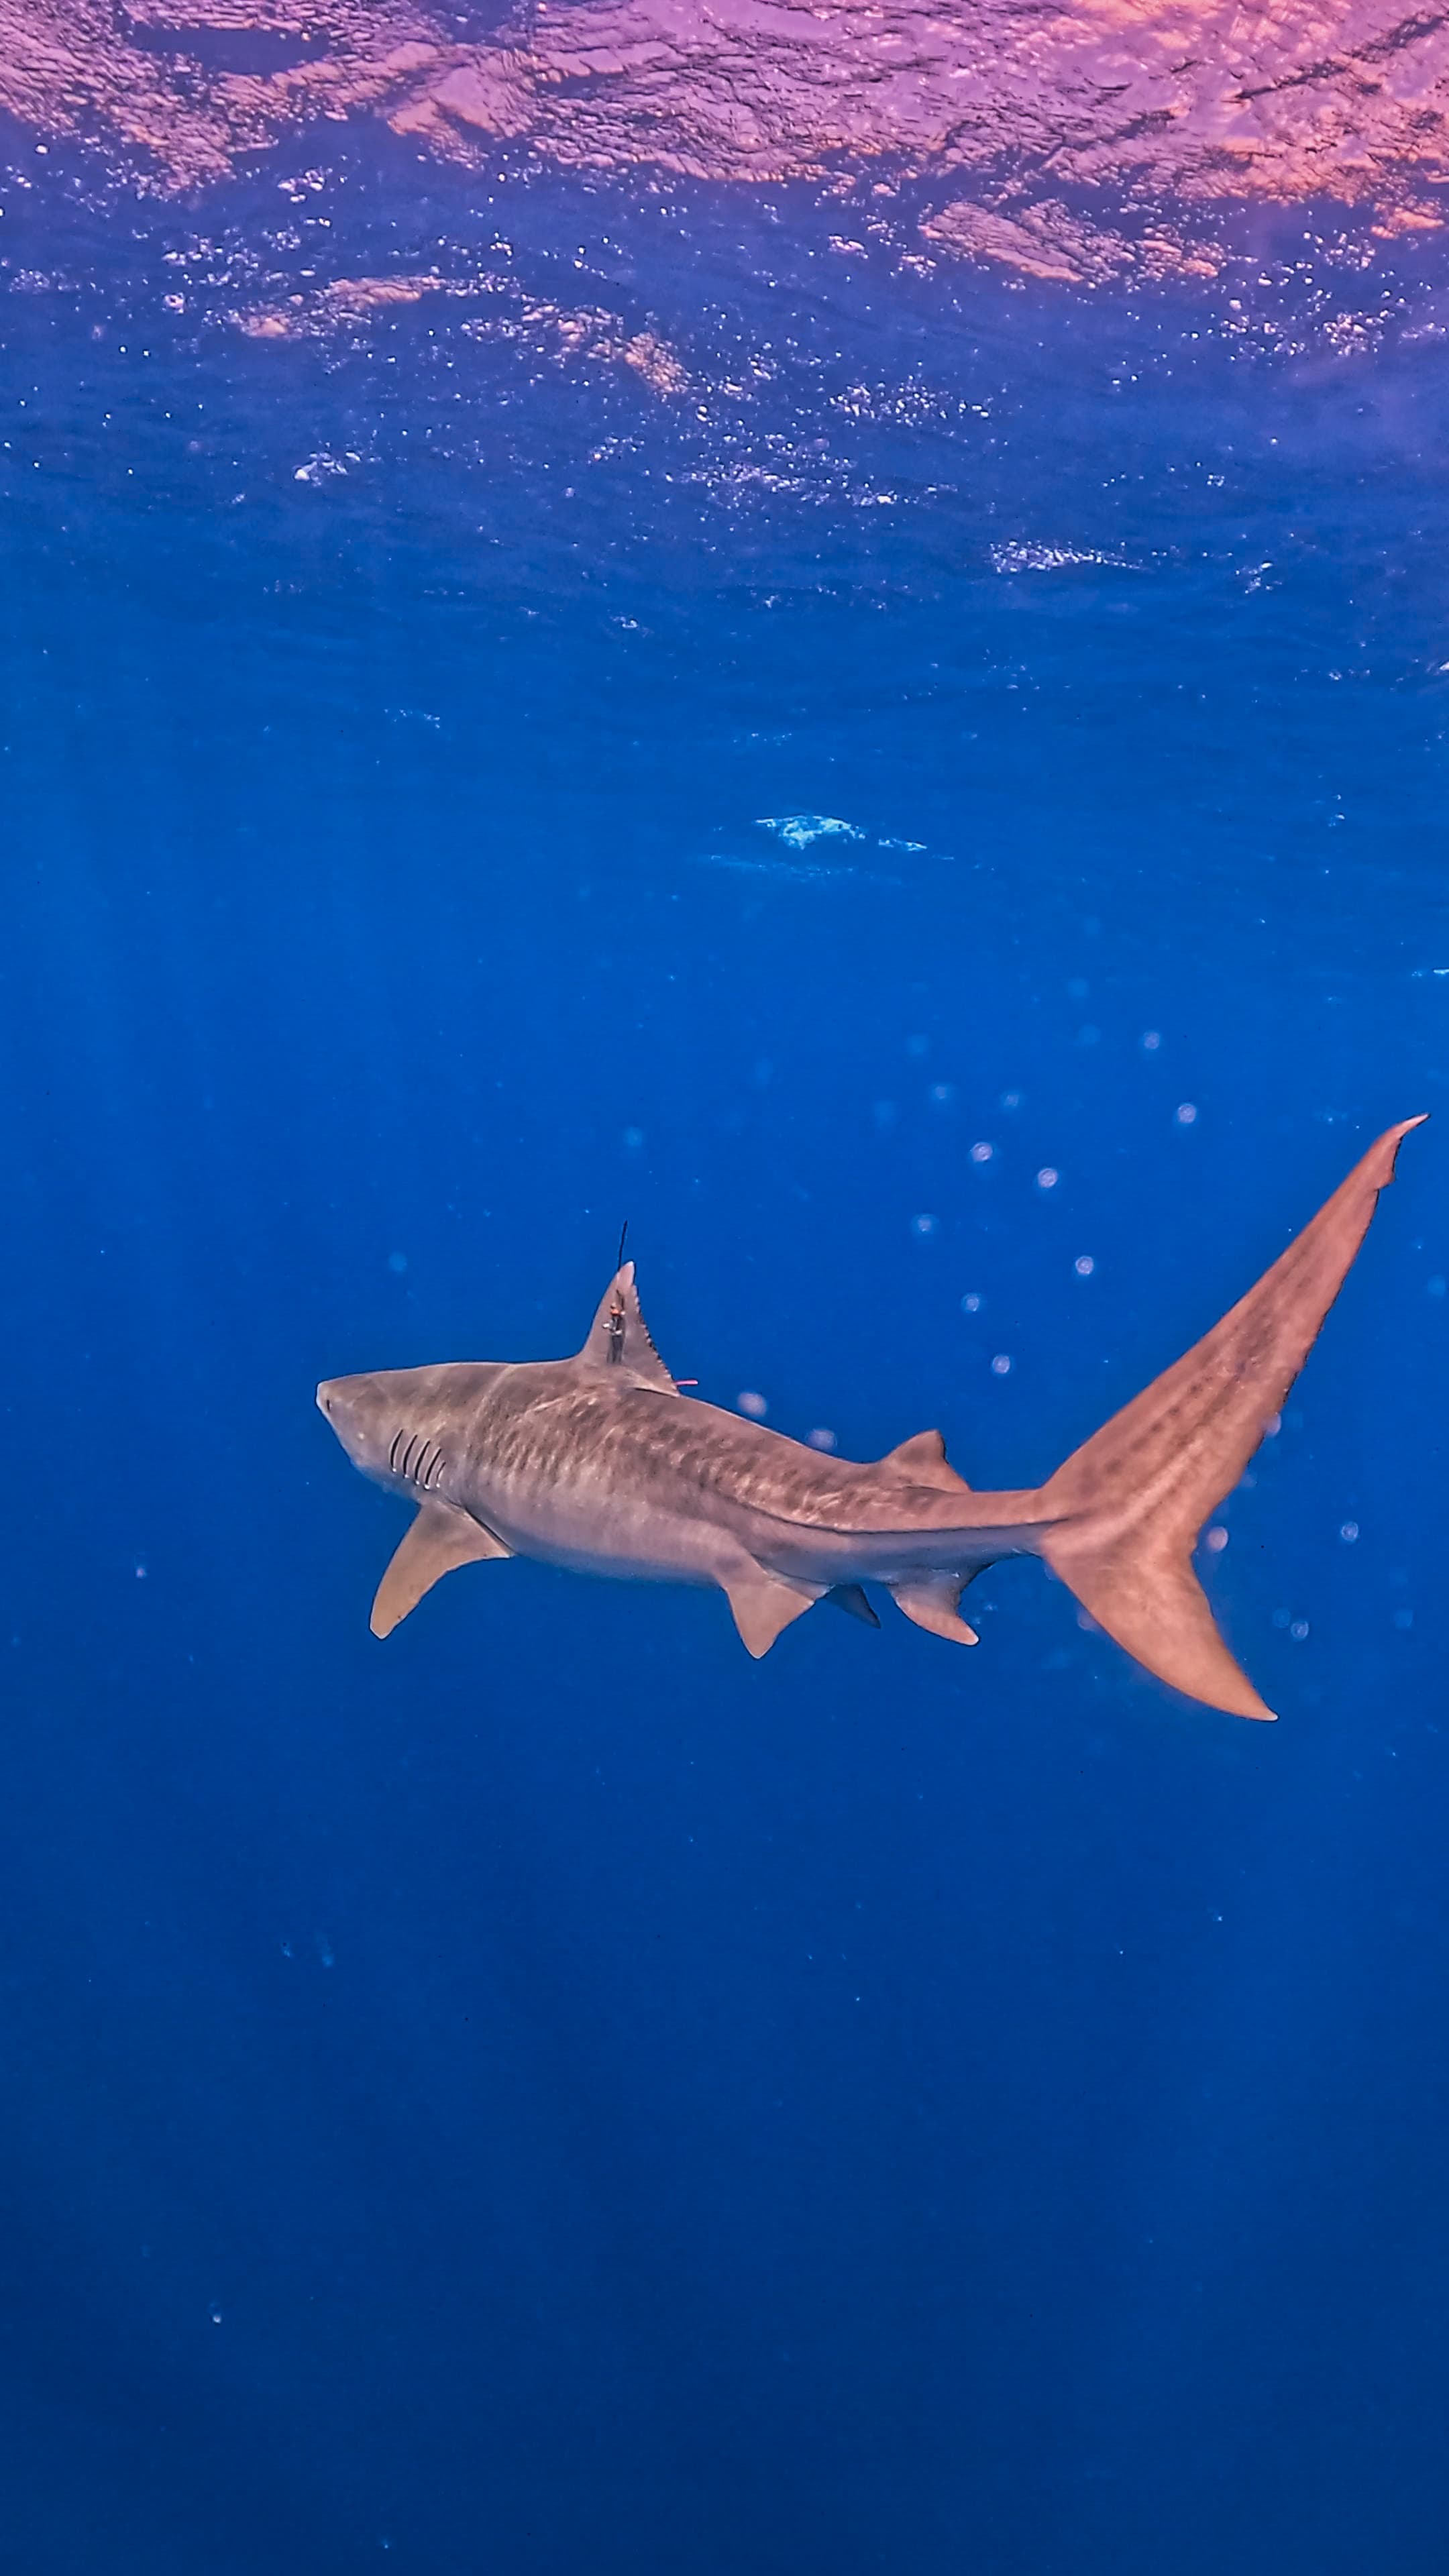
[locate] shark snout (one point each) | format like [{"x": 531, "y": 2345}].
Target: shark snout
[
  {"x": 364, "y": 1416},
  {"x": 332, "y": 1400}
]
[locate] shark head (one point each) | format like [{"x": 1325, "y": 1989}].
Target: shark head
[
  {"x": 396, "y": 1424},
  {"x": 368, "y": 1412}
]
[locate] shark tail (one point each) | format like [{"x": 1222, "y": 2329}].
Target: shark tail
[{"x": 1126, "y": 1508}]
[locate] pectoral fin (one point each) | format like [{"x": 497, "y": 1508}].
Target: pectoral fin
[
  {"x": 438, "y": 1540},
  {"x": 931, "y": 1601},
  {"x": 763, "y": 1604}
]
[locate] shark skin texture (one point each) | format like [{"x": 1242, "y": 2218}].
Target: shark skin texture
[{"x": 599, "y": 1463}]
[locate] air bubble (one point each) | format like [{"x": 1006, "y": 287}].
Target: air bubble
[
  {"x": 1298, "y": 1628},
  {"x": 754, "y": 1405},
  {"x": 1217, "y": 1540},
  {"x": 820, "y": 1439},
  {"x": 1348, "y": 1533},
  {"x": 1001, "y": 1365},
  {"x": 971, "y": 1303},
  {"x": 1047, "y": 1178},
  {"x": 1186, "y": 1113},
  {"x": 982, "y": 1153},
  {"x": 1151, "y": 1040},
  {"x": 1084, "y": 1265},
  {"x": 925, "y": 1225}
]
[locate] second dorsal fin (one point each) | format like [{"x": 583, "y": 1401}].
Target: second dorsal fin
[
  {"x": 923, "y": 1459},
  {"x": 619, "y": 1338}
]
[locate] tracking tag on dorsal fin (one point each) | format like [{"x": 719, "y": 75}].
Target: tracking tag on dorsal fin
[
  {"x": 620, "y": 1338},
  {"x": 439, "y": 1539},
  {"x": 923, "y": 1459}
]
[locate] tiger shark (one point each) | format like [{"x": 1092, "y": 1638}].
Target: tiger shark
[{"x": 600, "y": 1463}]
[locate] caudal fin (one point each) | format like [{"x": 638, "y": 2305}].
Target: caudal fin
[{"x": 1129, "y": 1504}]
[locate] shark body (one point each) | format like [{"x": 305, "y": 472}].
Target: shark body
[{"x": 599, "y": 1463}]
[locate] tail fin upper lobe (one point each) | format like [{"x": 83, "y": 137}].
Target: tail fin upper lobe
[{"x": 1129, "y": 1504}]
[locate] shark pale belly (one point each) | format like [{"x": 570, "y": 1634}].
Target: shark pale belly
[{"x": 600, "y": 1463}]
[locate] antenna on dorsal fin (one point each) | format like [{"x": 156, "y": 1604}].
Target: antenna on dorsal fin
[
  {"x": 923, "y": 1459},
  {"x": 619, "y": 1338}
]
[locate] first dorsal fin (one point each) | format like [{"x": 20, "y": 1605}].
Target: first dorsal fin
[
  {"x": 619, "y": 1338},
  {"x": 439, "y": 1539},
  {"x": 923, "y": 1459}
]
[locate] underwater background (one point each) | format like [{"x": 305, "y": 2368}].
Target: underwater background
[{"x": 922, "y": 787}]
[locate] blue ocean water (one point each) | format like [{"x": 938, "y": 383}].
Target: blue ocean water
[{"x": 546, "y": 2093}]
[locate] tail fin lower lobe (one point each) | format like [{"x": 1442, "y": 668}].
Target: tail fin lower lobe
[{"x": 1129, "y": 1504}]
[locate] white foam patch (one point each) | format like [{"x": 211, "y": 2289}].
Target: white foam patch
[
  {"x": 797, "y": 831},
  {"x": 1024, "y": 556}
]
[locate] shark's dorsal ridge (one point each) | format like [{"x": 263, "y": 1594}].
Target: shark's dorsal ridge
[
  {"x": 923, "y": 1459},
  {"x": 619, "y": 1338},
  {"x": 439, "y": 1539}
]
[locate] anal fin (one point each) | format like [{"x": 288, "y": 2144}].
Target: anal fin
[
  {"x": 438, "y": 1540},
  {"x": 931, "y": 1599},
  {"x": 764, "y": 1603}
]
